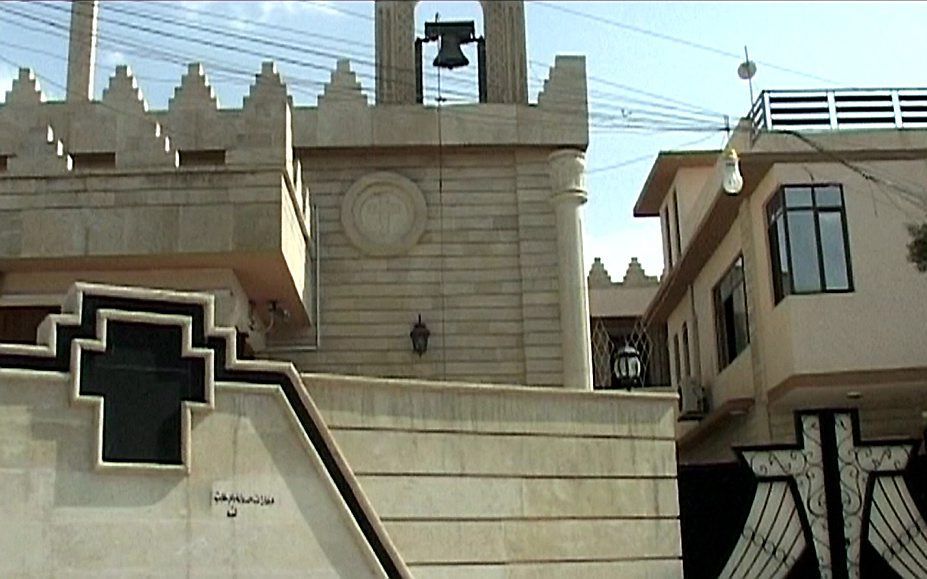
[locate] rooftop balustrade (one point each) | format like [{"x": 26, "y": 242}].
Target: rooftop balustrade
[{"x": 831, "y": 110}]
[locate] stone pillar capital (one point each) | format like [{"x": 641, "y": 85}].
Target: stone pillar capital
[{"x": 567, "y": 169}]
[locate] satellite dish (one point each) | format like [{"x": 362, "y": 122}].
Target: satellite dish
[{"x": 746, "y": 70}]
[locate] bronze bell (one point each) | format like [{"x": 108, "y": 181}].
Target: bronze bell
[{"x": 451, "y": 35}]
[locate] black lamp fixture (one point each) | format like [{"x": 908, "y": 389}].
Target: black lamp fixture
[
  {"x": 419, "y": 335},
  {"x": 628, "y": 366}
]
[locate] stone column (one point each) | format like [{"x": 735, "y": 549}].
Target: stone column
[
  {"x": 506, "y": 56},
  {"x": 395, "y": 51},
  {"x": 567, "y": 169},
  {"x": 82, "y": 49}
]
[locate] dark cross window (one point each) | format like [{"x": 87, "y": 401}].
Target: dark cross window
[{"x": 143, "y": 380}]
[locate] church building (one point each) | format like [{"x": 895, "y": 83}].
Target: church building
[{"x": 350, "y": 339}]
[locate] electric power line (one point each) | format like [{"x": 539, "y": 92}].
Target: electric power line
[
  {"x": 645, "y": 112},
  {"x": 635, "y": 160},
  {"x": 674, "y": 39},
  {"x": 647, "y": 120}
]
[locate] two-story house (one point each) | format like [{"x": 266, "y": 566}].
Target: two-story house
[
  {"x": 796, "y": 334},
  {"x": 797, "y": 291}
]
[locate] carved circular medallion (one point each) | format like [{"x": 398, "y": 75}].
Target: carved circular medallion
[{"x": 384, "y": 214}]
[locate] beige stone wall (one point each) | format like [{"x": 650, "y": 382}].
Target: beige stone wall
[
  {"x": 483, "y": 275},
  {"x": 468, "y": 481},
  {"x": 513, "y": 482},
  {"x": 61, "y": 518},
  {"x": 620, "y": 300}
]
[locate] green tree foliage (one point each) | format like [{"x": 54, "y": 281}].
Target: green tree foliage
[{"x": 917, "y": 248}]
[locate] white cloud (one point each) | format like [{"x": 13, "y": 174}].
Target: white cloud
[{"x": 268, "y": 9}]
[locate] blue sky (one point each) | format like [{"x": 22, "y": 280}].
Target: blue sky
[{"x": 796, "y": 45}]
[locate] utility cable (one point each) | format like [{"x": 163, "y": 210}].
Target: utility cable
[
  {"x": 641, "y": 158},
  {"x": 264, "y": 42},
  {"x": 363, "y": 61},
  {"x": 674, "y": 39},
  {"x": 616, "y": 124},
  {"x": 645, "y": 114}
]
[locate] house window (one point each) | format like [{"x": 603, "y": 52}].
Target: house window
[
  {"x": 667, "y": 243},
  {"x": 676, "y": 367},
  {"x": 808, "y": 241},
  {"x": 730, "y": 298}
]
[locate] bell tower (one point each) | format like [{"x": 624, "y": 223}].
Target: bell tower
[{"x": 506, "y": 59}]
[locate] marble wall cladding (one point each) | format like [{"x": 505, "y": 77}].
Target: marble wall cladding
[
  {"x": 513, "y": 482},
  {"x": 62, "y": 518}
]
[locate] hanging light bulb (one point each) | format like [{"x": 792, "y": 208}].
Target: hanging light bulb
[{"x": 733, "y": 181}]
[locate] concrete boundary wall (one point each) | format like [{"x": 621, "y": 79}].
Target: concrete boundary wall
[{"x": 504, "y": 481}]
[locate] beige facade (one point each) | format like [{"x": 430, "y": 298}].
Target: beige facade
[
  {"x": 284, "y": 474},
  {"x": 341, "y": 222},
  {"x": 860, "y": 346}
]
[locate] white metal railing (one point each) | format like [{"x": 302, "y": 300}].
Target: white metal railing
[{"x": 779, "y": 110}]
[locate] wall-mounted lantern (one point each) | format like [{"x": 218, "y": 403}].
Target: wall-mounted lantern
[
  {"x": 628, "y": 367},
  {"x": 419, "y": 335}
]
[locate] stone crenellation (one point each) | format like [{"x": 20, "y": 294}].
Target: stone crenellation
[
  {"x": 268, "y": 124},
  {"x": 635, "y": 276}
]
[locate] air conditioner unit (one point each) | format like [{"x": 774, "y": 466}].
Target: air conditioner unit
[{"x": 693, "y": 400}]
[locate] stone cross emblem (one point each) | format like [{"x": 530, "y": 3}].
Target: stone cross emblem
[{"x": 143, "y": 374}]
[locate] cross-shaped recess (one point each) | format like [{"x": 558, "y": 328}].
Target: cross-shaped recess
[{"x": 143, "y": 379}]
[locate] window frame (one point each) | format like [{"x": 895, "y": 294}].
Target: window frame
[
  {"x": 780, "y": 292},
  {"x": 667, "y": 237},
  {"x": 723, "y": 357},
  {"x": 686, "y": 361}
]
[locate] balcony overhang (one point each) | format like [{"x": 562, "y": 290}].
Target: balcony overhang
[
  {"x": 662, "y": 174},
  {"x": 858, "y": 388},
  {"x": 245, "y": 220}
]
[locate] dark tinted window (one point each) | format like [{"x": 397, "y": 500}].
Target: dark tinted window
[
  {"x": 731, "y": 320},
  {"x": 808, "y": 241}
]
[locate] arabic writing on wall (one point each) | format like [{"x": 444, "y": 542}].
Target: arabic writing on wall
[{"x": 236, "y": 500}]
